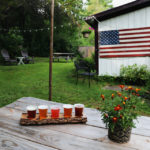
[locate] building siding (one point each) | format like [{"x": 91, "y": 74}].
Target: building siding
[{"x": 135, "y": 19}]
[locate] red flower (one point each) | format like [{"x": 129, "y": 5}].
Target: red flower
[
  {"x": 125, "y": 98},
  {"x": 117, "y": 108},
  {"x": 119, "y": 94},
  {"x": 103, "y": 97},
  {"x": 124, "y": 103},
  {"x": 137, "y": 90},
  {"x": 138, "y": 94},
  {"x": 114, "y": 119},
  {"x": 112, "y": 96},
  {"x": 122, "y": 86},
  {"x": 130, "y": 88}
]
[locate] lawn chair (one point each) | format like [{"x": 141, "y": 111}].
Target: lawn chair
[
  {"x": 83, "y": 70},
  {"x": 6, "y": 57},
  {"x": 27, "y": 59}
]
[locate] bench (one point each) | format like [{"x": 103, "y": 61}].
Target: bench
[{"x": 66, "y": 56}]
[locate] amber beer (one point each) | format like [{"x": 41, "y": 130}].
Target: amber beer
[
  {"x": 67, "y": 110},
  {"x": 31, "y": 111},
  {"x": 79, "y": 110},
  {"x": 55, "y": 112},
  {"x": 43, "y": 110}
]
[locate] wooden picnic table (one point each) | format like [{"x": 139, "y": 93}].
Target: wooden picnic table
[
  {"x": 89, "y": 136},
  {"x": 65, "y": 56}
]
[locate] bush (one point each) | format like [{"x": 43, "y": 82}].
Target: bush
[
  {"x": 134, "y": 74},
  {"x": 148, "y": 84},
  {"x": 11, "y": 42},
  {"x": 109, "y": 79}
]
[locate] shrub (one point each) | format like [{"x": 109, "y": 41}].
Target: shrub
[
  {"x": 134, "y": 74},
  {"x": 11, "y": 41},
  {"x": 148, "y": 84}
]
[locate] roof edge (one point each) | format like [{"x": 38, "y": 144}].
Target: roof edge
[{"x": 117, "y": 11}]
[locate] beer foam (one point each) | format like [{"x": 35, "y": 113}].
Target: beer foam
[
  {"x": 43, "y": 107},
  {"x": 55, "y": 107},
  {"x": 31, "y": 108},
  {"x": 79, "y": 105},
  {"x": 67, "y": 106}
]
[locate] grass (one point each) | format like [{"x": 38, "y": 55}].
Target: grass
[{"x": 32, "y": 80}]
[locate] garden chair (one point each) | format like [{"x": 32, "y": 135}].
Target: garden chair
[
  {"x": 6, "y": 57},
  {"x": 83, "y": 70},
  {"x": 27, "y": 59}
]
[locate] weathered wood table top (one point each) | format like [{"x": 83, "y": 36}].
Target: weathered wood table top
[{"x": 89, "y": 136}]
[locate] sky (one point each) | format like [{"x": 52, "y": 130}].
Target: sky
[{"x": 118, "y": 2}]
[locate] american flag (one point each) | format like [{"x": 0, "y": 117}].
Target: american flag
[{"x": 125, "y": 43}]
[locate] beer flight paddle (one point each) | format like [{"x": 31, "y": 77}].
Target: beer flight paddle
[{"x": 39, "y": 115}]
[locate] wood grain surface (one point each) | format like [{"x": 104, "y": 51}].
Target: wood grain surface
[{"x": 89, "y": 136}]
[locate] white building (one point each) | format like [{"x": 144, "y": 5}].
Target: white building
[{"x": 122, "y": 37}]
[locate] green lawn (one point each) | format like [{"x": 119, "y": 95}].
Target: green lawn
[{"x": 32, "y": 81}]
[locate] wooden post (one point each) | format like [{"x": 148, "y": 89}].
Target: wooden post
[
  {"x": 51, "y": 50},
  {"x": 96, "y": 48}
]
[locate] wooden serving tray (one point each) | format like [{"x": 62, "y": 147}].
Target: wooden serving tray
[{"x": 61, "y": 120}]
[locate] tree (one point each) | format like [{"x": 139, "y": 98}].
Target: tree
[
  {"x": 93, "y": 7},
  {"x": 35, "y": 14}
]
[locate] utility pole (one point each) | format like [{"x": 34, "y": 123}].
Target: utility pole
[{"x": 51, "y": 50}]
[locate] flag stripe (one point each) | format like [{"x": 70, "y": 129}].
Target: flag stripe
[
  {"x": 122, "y": 45},
  {"x": 129, "y": 38},
  {"x": 135, "y": 42},
  {"x": 134, "y": 33},
  {"x": 125, "y": 47},
  {"x": 135, "y": 29},
  {"x": 148, "y": 39},
  {"x": 135, "y": 55},
  {"x": 125, "y": 51}
]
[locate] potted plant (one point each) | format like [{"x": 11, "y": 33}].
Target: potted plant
[
  {"x": 118, "y": 113},
  {"x": 86, "y": 33}
]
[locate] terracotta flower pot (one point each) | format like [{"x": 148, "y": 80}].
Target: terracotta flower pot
[{"x": 119, "y": 134}]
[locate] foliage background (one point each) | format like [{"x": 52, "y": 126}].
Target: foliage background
[{"x": 35, "y": 14}]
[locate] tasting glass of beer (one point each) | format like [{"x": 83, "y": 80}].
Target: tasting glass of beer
[
  {"x": 79, "y": 110},
  {"x": 31, "y": 111},
  {"x": 55, "y": 111},
  {"x": 43, "y": 109},
  {"x": 67, "y": 110}
]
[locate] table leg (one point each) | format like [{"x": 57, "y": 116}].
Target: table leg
[
  {"x": 21, "y": 61},
  {"x": 68, "y": 58}
]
